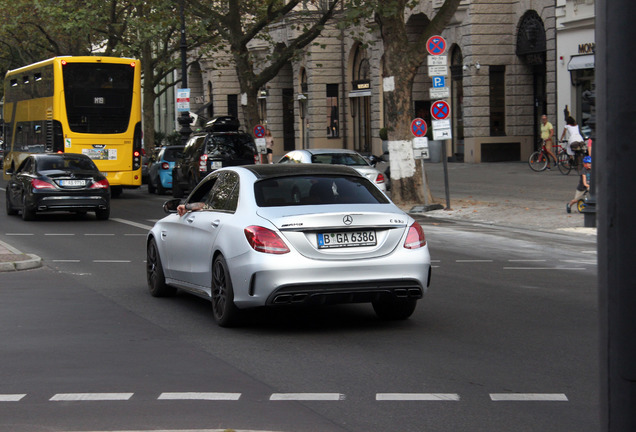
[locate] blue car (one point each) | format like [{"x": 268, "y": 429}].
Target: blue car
[{"x": 160, "y": 169}]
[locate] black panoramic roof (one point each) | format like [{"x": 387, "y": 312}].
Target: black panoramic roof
[{"x": 278, "y": 170}]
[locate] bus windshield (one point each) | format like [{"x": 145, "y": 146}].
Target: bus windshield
[{"x": 98, "y": 97}]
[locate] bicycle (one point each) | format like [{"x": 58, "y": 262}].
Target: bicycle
[
  {"x": 582, "y": 203},
  {"x": 567, "y": 162},
  {"x": 540, "y": 159}
]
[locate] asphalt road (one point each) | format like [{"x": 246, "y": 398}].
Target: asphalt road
[{"x": 506, "y": 339}]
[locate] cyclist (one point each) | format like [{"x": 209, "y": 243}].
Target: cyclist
[
  {"x": 547, "y": 132},
  {"x": 574, "y": 135},
  {"x": 584, "y": 183}
]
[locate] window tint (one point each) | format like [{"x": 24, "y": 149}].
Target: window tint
[
  {"x": 224, "y": 195},
  {"x": 316, "y": 190},
  {"x": 350, "y": 159}
]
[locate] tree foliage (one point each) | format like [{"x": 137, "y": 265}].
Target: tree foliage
[{"x": 242, "y": 22}]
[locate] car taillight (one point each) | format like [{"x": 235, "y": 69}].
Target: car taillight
[
  {"x": 265, "y": 240},
  {"x": 40, "y": 184},
  {"x": 379, "y": 178},
  {"x": 203, "y": 163},
  {"x": 415, "y": 237},
  {"x": 165, "y": 166},
  {"x": 257, "y": 159},
  {"x": 102, "y": 184}
]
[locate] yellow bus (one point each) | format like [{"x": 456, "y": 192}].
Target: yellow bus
[{"x": 88, "y": 105}]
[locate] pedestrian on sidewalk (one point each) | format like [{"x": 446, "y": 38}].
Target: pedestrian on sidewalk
[
  {"x": 547, "y": 132},
  {"x": 584, "y": 183},
  {"x": 269, "y": 141}
]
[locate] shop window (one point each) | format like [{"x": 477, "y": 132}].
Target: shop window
[
  {"x": 333, "y": 129},
  {"x": 232, "y": 105}
]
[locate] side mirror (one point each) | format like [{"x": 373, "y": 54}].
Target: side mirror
[
  {"x": 9, "y": 171},
  {"x": 170, "y": 206}
]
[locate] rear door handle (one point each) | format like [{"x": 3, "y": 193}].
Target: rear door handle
[{"x": 216, "y": 223}]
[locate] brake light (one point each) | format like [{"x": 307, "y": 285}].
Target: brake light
[
  {"x": 257, "y": 159},
  {"x": 102, "y": 184},
  {"x": 40, "y": 184},
  {"x": 265, "y": 240},
  {"x": 380, "y": 178},
  {"x": 415, "y": 238},
  {"x": 165, "y": 166},
  {"x": 203, "y": 163}
]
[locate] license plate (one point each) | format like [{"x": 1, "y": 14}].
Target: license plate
[
  {"x": 72, "y": 182},
  {"x": 346, "y": 239},
  {"x": 216, "y": 164}
]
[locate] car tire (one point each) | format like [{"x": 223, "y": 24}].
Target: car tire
[
  {"x": 102, "y": 214},
  {"x": 11, "y": 211},
  {"x": 28, "y": 214},
  {"x": 394, "y": 309},
  {"x": 177, "y": 191},
  {"x": 154, "y": 273},
  {"x": 151, "y": 187},
  {"x": 223, "y": 308},
  {"x": 160, "y": 189}
]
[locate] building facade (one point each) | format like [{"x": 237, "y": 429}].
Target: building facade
[
  {"x": 575, "y": 62},
  {"x": 503, "y": 77}
]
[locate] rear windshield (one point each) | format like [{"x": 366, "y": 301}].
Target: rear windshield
[
  {"x": 317, "y": 190},
  {"x": 170, "y": 155},
  {"x": 231, "y": 145},
  {"x": 350, "y": 159},
  {"x": 49, "y": 163},
  {"x": 98, "y": 97}
]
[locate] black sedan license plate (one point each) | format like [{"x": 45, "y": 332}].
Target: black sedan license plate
[
  {"x": 72, "y": 183},
  {"x": 346, "y": 239}
]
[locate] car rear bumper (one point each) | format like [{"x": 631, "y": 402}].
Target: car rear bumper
[
  {"x": 263, "y": 280},
  {"x": 70, "y": 203}
]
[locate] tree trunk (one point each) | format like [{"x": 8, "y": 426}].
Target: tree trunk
[
  {"x": 407, "y": 185},
  {"x": 148, "y": 100}
]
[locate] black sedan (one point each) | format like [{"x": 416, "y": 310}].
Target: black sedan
[{"x": 58, "y": 182}]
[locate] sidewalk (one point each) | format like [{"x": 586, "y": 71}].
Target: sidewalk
[{"x": 506, "y": 194}]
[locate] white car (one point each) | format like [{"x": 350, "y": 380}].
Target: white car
[
  {"x": 289, "y": 235},
  {"x": 338, "y": 157}
]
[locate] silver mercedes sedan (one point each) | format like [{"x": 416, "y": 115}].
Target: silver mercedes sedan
[{"x": 296, "y": 234}]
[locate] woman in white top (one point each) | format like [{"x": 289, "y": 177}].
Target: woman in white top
[{"x": 574, "y": 134}]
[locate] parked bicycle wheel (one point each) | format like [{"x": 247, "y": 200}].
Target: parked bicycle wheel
[
  {"x": 538, "y": 161},
  {"x": 564, "y": 163}
]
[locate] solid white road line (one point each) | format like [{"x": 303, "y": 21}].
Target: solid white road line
[
  {"x": 74, "y": 397},
  {"x": 198, "y": 396},
  {"x": 473, "y": 261},
  {"x": 417, "y": 397},
  {"x": 111, "y": 261},
  {"x": 306, "y": 397},
  {"x": 135, "y": 224},
  {"x": 11, "y": 397},
  {"x": 545, "y": 268},
  {"x": 525, "y": 397}
]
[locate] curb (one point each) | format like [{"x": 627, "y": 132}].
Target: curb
[{"x": 20, "y": 263}]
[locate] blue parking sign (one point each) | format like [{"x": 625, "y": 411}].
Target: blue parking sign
[{"x": 439, "y": 81}]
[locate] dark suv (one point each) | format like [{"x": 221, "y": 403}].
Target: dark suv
[{"x": 221, "y": 145}]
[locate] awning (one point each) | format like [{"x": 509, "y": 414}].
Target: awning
[
  {"x": 359, "y": 93},
  {"x": 581, "y": 62}
]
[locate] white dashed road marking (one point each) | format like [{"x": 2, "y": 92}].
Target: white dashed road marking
[
  {"x": 527, "y": 397},
  {"x": 306, "y": 397},
  {"x": 417, "y": 397},
  {"x": 76, "y": 397},
  {"x": 11, "y": 397},
  {"x": 199, "y": 396}
]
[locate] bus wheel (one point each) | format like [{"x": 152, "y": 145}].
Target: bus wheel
[{"x": 116, "y": 191}]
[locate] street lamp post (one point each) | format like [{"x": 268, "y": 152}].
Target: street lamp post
[{"x": 184, "y": 119}]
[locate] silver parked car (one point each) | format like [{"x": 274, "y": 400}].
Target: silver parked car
[
  {"x": 338, "y": 157},
  {"x": 289, "y": 235}
]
